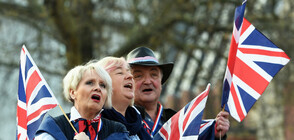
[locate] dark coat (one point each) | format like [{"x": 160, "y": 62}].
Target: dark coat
[
  {"x": 167, "y": 113},
  {"x": 132, "y": 121},
  {"x": 60, "y": 129}
]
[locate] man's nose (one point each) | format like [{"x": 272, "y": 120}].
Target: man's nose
[{"x": 147, "y": 80}]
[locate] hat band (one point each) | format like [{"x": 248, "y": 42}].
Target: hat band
[{"x": 143, "y": 59}]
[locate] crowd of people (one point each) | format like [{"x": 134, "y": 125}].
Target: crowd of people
[{"x": 117, "y": 98}]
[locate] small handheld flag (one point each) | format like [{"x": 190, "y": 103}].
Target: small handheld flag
[
  {"x": 186, "y": 123},
  {"x": 35, "y": 97},
  {"x": 252, "y": 63}
]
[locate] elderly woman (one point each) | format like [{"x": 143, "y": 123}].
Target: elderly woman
[
  {"x": 123, "y": 98},
  {"x": 89, "y": 88}
]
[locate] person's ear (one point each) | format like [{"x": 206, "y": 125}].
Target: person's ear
[{"x": 72, "y": 94}]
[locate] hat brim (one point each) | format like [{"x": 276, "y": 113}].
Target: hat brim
[{"x": 166, "y": 69}]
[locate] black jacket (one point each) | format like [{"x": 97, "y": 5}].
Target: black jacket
[
  {"x": 132, "y": 121},
  {"x": 167, "y": 113}
]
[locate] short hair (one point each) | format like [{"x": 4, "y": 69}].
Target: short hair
[
  {"x": 111, "y": 63},
  {"x": 74, "y": 76}
]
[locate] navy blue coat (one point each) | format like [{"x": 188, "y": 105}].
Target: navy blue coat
[
  {"x": 132, "y": 121},
  {"x": 60, "y": 129}
]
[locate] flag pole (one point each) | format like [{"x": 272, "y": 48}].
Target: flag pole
[
  {"x": 68, "y": 120},
  {"x": 220, "y": 136},
  {"x": 223, "y": 109}
]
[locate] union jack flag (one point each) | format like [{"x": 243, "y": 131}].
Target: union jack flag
[
  {"x": 35, "y": 97},
  {"x": 207, "y": 129},
  {"x": 252, "y": 63},
  {"x": 186, "y": 123}
]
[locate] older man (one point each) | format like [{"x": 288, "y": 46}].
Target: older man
[{"x": 149, "y": 76}]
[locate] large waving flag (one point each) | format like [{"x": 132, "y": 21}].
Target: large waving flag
[
  {"x": 35, "y": 97},
  {"x": 186, "y": 123},
  {"x": 252, "y": 63}
]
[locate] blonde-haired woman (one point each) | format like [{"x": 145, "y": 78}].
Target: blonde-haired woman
[
  {"x": 123, "y": 98},
  {"x": 89, "y": 88}
]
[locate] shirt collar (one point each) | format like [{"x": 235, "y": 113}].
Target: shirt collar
[{"x": 74, "y": 114}]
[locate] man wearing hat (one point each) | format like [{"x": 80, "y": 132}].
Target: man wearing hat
[{"x": 149, "y": 76}]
